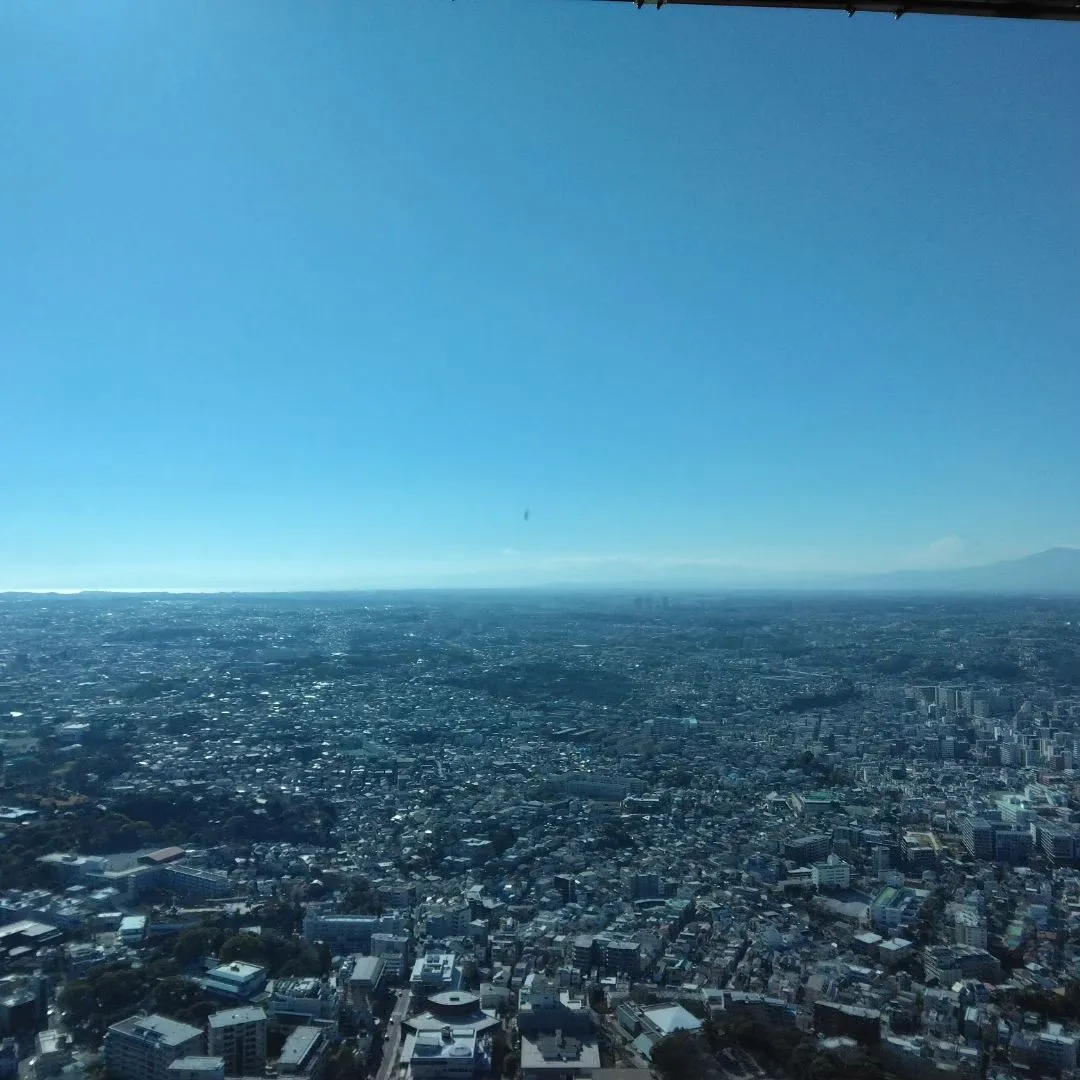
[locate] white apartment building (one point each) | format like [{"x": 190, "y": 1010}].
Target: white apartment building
[
  {"x": 143, "y": 1047},
  {"x": 969, "y": 928},
  {"x": 238, "y": 1036},
  {"x": 435, "y": 973},
  {"x": 833, "y": 873},
  {"x": 348, "y": 933}
]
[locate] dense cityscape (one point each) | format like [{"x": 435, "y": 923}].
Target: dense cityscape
[{"x": 423, "y": 835}]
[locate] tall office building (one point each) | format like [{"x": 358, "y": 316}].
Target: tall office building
[
  {"x": 566, "y": 888},
  {"x": 978, "y": 837},
  {"x": 9, "y": 1060},
  {"x": 143, "y": 1047},
  {"x": 645, "y": 887},
  {"x": 238, "y": 1036}
]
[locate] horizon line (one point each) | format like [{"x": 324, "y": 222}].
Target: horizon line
[
  {"x": 954, "y": 592},
  {"x": 761, "y": 581}
]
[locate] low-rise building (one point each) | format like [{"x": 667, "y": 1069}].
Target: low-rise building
[
  {"x": 558, "y": 1057},
  {"x": 446, "y": 1054},
  {"x": 435, "y": 973},
  {"x": 833, "y": 873},
  {"x": 894, "y": 951},
  {"x": 543, "y": 1009},
  {"x": 235, "y": 980},
  {"x": 347, "y": 933},
  {"x": 191, "y": 882},
  {"x": 951, "y": 963},
  {"x": 51, "y": 1053},
  {"x": 202, "y": 1067},
  {"x": 304, "y": 1052},
  {"x": 132, "y": 930},
  {"x": 894, "y": 907},
  {"x": 833, "y": 1018},
  {"x": 1055, "y": 1051},
  {"x": 303, "y": 1001}
]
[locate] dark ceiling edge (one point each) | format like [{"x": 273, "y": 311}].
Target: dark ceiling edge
[{"x": 1063, "y": 11}]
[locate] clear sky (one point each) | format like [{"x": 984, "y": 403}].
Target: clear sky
[{"x": 328, "y": 292}]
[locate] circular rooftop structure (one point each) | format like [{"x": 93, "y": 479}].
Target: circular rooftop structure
[{"x": 454, "y": 1003}]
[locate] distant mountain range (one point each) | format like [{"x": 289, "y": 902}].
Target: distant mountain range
[{"x": 1055, "y": 571}]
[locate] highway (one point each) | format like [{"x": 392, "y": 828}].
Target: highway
[{"x": 392, "y": 1044}]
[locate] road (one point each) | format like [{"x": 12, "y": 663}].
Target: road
[{"x": 391, "y": 1046}]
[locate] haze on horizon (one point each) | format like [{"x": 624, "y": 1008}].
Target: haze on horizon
[{"x": 326, "y": 295}]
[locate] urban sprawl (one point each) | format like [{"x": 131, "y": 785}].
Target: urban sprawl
[{"x": 434, "y": 835}]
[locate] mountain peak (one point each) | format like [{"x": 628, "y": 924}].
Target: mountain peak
[{"x": 1055, "y": 570}]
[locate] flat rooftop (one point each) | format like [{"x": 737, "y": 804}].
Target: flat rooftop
[
  {"x": 227, "y": 1017},
  {"x": 554, "y": 1053},
  {"x": 198, "y": 1063},
  {"x": 160, "y": 1029},
  {"x": 237, "y": 971},
  {"x": 299, "y": 1044}
]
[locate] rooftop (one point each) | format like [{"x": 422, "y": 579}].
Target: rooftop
[
  {"x": 445, "y": 1042},
  {"x": 163, "y": 855},
  {"x": 299, "y": 1044},
  {"x": 554, "y": 1052},
  {"x": 227, "y": 1017},
  {"x": 367, "y": 968},
  {"x": 161, "y": 1029},
  {"x": 237, "y": 971},
  {"x": 198, "y": 1063},
  {"x": 669, "y": 1018}
]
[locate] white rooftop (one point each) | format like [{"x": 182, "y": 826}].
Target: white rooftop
[
  {"x": 669, "y": 1018},
  {"x": 236, "y": 971},
  {"x": 198, "y": 1063},
  {"x": 445, "y": 1043},
  {"x": 159, "y": 1029},
  {"x": 227, "y": 1017}
]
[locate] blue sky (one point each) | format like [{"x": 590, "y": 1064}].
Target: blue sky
[{"x": 327, "y": 292}]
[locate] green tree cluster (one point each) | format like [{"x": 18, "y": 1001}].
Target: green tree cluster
[
  {"x": 781, "y": 1049},
  {"x": 144, "y": 819},
  {"x": 342, "y": 1064},
  {"x": 1060, "y": 1006},
  {"x": 685, "y": 1055},
  {"x": 183, "y": 1000},
  {"x": 106, "y": 996},
  {"x": 360, "y": 899},
  {"x": 280, "y": 954}
]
